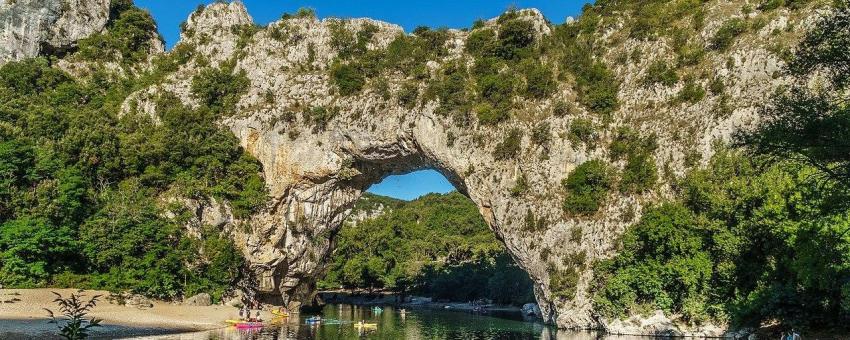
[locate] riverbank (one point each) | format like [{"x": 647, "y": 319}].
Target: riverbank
[{"x": 22, "y": 316}]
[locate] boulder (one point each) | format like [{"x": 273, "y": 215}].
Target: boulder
[
  {"x": 202, "y": 299},
  {"x": 138, "y": 301},
  {"x": 531, "y": 310}
]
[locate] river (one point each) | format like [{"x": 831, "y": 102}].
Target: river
[{"x": 392, "y": 324}]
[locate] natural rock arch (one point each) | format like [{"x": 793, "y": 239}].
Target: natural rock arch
[
  {"x": 315, "y": 172},
  {"x": 316, "y": 167}
]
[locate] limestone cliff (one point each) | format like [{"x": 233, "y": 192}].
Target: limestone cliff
[
  {"x": 31, "y": 27},
  {"x": 321, "y": 145}
]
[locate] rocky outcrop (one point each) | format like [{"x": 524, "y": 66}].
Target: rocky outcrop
[
  {"x": 315, "y": 171},
  {"x": 32, "y": 27}
]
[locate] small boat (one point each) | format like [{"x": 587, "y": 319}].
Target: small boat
[
  {"x": 377, "y": 309},
  {"x": 279, "y": 313},
  {"x": 362, "y": 324},
  {"x": 314, "y": 320},
  {"x": 244, "y": 324},
  {"x": 248, "y": 325}
]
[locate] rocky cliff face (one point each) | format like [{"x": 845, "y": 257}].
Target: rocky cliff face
[
  {"x": 317, "y": 167},
  {"x": 31, "y": 27}
]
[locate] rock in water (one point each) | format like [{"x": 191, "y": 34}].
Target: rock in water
[
  {"x": 202, "y": 299},
  {"x": 531, "y": 310}
]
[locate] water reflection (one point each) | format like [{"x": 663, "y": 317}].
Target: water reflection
[{"x": 339, "y": 322}]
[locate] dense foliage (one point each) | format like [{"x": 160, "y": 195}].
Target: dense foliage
[
  {"x": 762, "y": 234},
  {"x": 808, "y": 124},
  {"x": 587, "y": 187},
  {"x": 747, "y": 241},
  {"x": 84, "y": 190},
  {"x": 437, "y": 245}
]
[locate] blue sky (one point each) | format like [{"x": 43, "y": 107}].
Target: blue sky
[{"x": 409, "y": 14}]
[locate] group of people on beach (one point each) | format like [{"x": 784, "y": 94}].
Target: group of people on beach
[{"x": 245, "y": 312}]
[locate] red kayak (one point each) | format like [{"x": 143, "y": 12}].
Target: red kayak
[{"x": 247, "y": 325}]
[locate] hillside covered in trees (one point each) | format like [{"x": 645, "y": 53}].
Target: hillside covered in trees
[{"x": 437, "y": 245}]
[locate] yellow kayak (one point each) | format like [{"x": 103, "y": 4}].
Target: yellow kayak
[
  {"x": 279, "y": 313},
  {"x": 365, "y": 325},
  {"x": 233, "y": 322}
]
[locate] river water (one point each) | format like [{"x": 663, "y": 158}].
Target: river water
[{"x": 391, "y": 324}]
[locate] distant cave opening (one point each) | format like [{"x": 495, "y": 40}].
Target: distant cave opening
[{"x": 414, "y": 234}]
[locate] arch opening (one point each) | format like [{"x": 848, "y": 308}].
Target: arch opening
[{"x": 414, "y": 233}]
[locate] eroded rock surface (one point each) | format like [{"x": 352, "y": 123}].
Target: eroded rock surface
[{"x": 32, "y": 27}]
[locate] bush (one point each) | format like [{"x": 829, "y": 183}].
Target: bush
[
  {"x": 640, "y": 173},
  {"x": 497, "y": 89},
  {"x": 516, "y": 36},
  {"x": 220, "y": 89},
  {"x": 320, "y": 116},
  {"x": 660, "y": 73},
  {"x": 563, "y": 283},
  {"x": 582, "y": 131},
  {"x": 510, "y": 147},
  {"x": 692, "y": 92},
  {"x": 539, "y": 81},
  {"x": 482, "y": 43},
  {"x": 489, "y": 115},
  {"x": 587, "y": 188},
  {"x": 726, "y": 34},
  {"x": 541, "y": 133},
  {"x": 347, "y": 78},
  {"x": 520, "y": 187},
  {"x": 408, "y": 95},
  {"x": 717, "y": 86},
  {"x": 562, "y": 109},
  {"x": 450, "y": 89}
]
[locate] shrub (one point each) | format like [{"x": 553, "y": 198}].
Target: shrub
[
  {"x": 408, "y": 95},
  {"x": 520, "y": 187},
  {"x": 450, "y": 89},
  {"x": 320, "y": 116},
  {"x": 717, "y": 86},
  {"x": 627, "y": 141},
  {"x": 582, "y": 131},
  {"x": 220, "y": 89},
  {"x": 539, "y": 81},
  {"x": 692, "y": 92},
  {"x": 587, "y": 187},
  {"x": 489, "y": 115},
  {"x": 532, "y": 223},
  {"x": 482, "y": 43},
  {"x": 660, "y": 73},
  {"x": 509, "y": 148},
  {"x": 498, "y": 89},
  {"x": 726, "y": 34},
  {"x": 541, "y": 133},
  {"x": 640, "y": 173},
  {"x": 348, "y": 79},
  {"x": 515, "y": 37},
  {"x": 562, "y": 108},
  {"x": 563, "y": 283}
]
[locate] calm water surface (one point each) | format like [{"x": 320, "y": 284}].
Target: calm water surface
[{"x": 416, "y": 324}]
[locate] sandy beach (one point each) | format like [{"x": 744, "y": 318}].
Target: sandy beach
[{"x": 22, "y": 316}]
